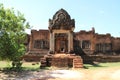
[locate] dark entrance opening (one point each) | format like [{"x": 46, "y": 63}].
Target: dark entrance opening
[
  {"x": 61, "y": 42},
  {"x": 62, "y": 50}
]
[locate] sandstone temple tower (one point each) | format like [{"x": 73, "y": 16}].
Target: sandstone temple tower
[
  {"x": 61, "y": 32},
  {"x": 61, "y": 51}
]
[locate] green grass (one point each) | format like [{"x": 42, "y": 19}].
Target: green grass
[
  {"x": 103, "y": 65},
  {"x": 36, "y": 66},
  {"x": 25, "y": 65},
  {"x": 4, "y": 64},
  {"x": 31, "y": 66}
]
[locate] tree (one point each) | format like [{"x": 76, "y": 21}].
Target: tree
[{"x": 12, "y": 33}]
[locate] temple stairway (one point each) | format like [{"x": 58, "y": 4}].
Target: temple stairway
[{"x": 62, "y": 60}]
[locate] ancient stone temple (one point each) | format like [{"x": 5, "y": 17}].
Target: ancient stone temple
[
  {"x": 61, "y": 54},
  {"x": 60, "y": 46}
]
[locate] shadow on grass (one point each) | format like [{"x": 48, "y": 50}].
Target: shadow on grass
[
  {"x": 27, "y": 73},
  {"x": 93, "y": 65}
]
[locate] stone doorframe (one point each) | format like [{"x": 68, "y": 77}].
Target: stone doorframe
[{"x": 70, "y": 39}]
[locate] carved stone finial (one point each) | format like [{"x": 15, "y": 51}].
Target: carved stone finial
[{"x": 61, "y": 20}]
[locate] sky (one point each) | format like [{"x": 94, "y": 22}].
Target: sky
[{"x": 103, "y": 15}]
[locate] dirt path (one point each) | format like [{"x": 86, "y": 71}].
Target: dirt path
[{"x": 83, "y": 74}]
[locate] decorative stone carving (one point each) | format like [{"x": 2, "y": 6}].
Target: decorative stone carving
[{"x": 61, "y": 20}]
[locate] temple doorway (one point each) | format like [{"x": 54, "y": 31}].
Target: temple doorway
[
  {"x": 63, "y": 46},
  {"x": 61, "y": 42}
]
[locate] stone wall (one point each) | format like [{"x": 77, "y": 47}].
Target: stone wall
[
  {"x": 41, "y": 35},
  {"x": 101, "y": 58},
  {"x": 116, "y": 45},
  {"x": 32, "y": 58},
  {"x": 91, "y": 42}
]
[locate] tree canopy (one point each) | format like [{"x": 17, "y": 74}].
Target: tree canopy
[{"x": 12, "y": 33}]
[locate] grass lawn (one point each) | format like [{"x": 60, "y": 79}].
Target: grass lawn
[
  {"x": 25, "y": 65},
  {"x": 4, "y": 64},
  {"x": 103, "y": 65},
  {"x": 31, "y": 65},
  {"x": 35, "y": 65}
]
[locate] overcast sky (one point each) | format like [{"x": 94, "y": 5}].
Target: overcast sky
[{"x": 103, "y": 15}]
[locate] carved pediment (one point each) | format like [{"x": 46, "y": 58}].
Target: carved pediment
[{"x": 61, "y": 20}]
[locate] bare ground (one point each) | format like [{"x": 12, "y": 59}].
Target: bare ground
[{"x": 78, "y": 74}]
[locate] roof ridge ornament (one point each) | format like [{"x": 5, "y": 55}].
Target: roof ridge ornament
[{"x": 61, "y": 20}]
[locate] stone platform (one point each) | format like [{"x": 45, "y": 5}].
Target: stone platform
[{"x": 62, "y": 60}]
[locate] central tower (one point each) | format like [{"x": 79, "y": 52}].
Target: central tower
[{"x": 61, "y": 28}]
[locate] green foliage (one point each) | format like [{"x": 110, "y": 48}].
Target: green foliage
[{"x": 12, "y": 34}]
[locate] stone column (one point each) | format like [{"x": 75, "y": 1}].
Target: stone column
[
  {"x": 53, "y": 42},
  {"x": 70, "y": 41},
  {"x": 81, "y": 43},
  {"x": 50, "y": 42},
  {"x": 31, "y": 43}
]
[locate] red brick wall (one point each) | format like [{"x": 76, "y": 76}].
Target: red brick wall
[
  {"x": 116, "y": 44},
  {"x": 38, "y": 35}
]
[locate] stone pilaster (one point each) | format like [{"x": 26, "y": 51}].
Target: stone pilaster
[
  {"x": 53, "y": 42},
  {"x": 69, "y": 44},
  {"x": 71, "y": 41},
  {"x": 52, "y": 39},
  {"x": 81, "y": 43},
  {"x": 31, "y": 43}
]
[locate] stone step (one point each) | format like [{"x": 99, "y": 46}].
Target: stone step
[
  {"x": 77, "y": 62},
  {"x": 78, "y": 66}
]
